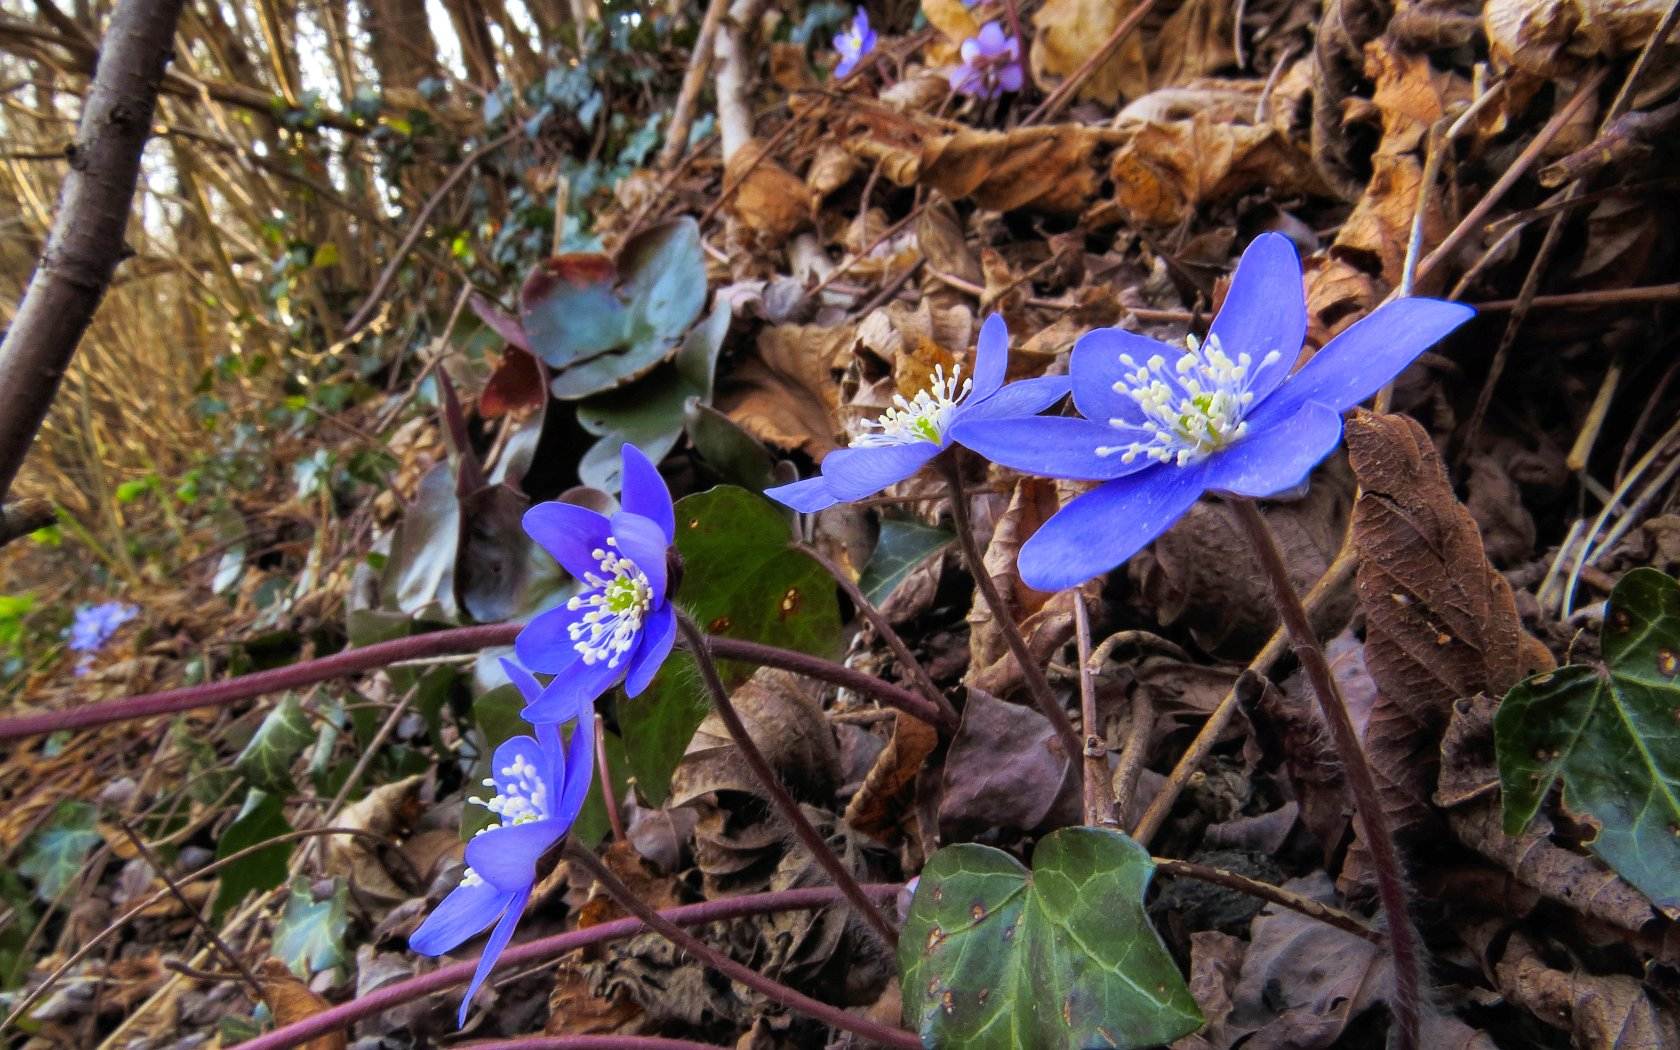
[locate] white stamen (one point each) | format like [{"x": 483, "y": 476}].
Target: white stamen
[
  {"x": 617, "y": 599},
  {"x": 923, "y": 418},
  {"x": 1190, "y": 412}
]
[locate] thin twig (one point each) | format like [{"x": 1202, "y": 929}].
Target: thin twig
[
  {"x": 1099, "y": 792},
  {"x": 1276, "y": 894},
  {"x": 699, "y": 63}
]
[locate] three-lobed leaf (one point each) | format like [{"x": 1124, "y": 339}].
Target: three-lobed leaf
[
  {"x": 267, "y": 760},
  {"x": 1612, "y": 735},
  {"x": 57, "y": 851},
  {"x": 995, "y": 955},
  {"x": 310, "y": 935}
]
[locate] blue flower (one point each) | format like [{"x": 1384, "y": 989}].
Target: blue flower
[
  {"x": 540, "y": 788},
  {"x": 93, "y": 626},
  {"x": 1163, "y": 425},
  {"x": 854, "y": 43},
  {"x": 619, "y": 627},
  {"x": 915, "y": 430},
  {"x": 991, "y": 64}
]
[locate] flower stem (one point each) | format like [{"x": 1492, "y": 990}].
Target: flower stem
[
  {"x": 830, "y": 1015},
  {"x": 906, "y": 659},
  {"x": 608, "y": 795},
  {"x": 1037, "y": 684},
  {"x": 1379, "y": 837},
  {"x": 697, "y": 644},
  {"x": 1100, "y": 810}
]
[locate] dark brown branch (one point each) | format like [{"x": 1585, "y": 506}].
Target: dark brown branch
[
  {"x": 23, "y": 517},
  {"x": 86, "y": 242}
]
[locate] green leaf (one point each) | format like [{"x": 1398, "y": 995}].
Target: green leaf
[
  {"x": 267, "y": 760},
  {"x": 15, "y": 958},
  {"x": 994, "y": 955},
  {"x": 261, "y": 818},
  {"x": 1612, "y": 735},
  {"x": 419, "y": 577},
  {"x": 740, "y": 580},
  {"x": 57, "y": 852},
  {"x": 736, "y": 456},
  {"x": 903, "y": 545},
  {"x": 310, "y": 936},
  {"x": 207, "y": 778}
]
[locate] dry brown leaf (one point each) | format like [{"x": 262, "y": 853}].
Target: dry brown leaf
[
  {"x": 955, "y": 23},
  {"x": 385, "y": 812},
  {"x": 1005, "y": 770},
  {"x": 1610, "y": 1011},
  {"x": 1052, "y": 168},
  {"x": 1070, "y": 31},
  {"x": 785, "y": 719},
  {"x": 1338, "y": 294},
  {"x": 1552, "y": 38},
  {"x": 943, "y": 243},
  {"x": 290, "y": 1000},
  {"x": 879, "y": 804},
  {"x": 769, "y": 199},
  {"x": 1030, "y": 505},
  {"x": 785, "y": 394},
  {"x": 830, "y": 169},
  {"x": 1195, "y": 40},
  {"x": 573, "y": 1009}
]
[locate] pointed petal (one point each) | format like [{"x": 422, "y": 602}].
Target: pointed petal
[
  {"x": 1106, "y": 526},
  {"x": 461, "y": 915},
  {"x": 645, "y": 492},
  {"x": 643, "y": 542},
  {"x": 568, "y": 533},
  {"x": 854, "y": 473},
  {"x": 1095, "y": 368},
  {"x": 1025, "y": 398},
  {"x": 659, "y": 632},
  {"x": 1360, "y": 361},
  {"x": 492, "y": 951},
  {"x": 544, "y": 644},
  {"x": 506, "y": 857},
  {"x": 522, "y": 680},
  {"x": 1277, "y": 458},
  {"x": 807, "y": 497},
  {"x": 1052, "y": 446},
  {"x": 991, "y": 357},
  {"x": 1265, "y": 311},
  {"x": 573, "y": 692},
  {"x": 580, "y": 770}
]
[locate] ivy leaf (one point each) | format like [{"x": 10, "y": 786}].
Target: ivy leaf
[
  {"x": 1610, "y": 733},
  {"x": 310, "y": 936},
  {"x": 57, "y": 851},
  {"x": 261, "y": 818},
  {"x": 994, "y": 955},
  {"x": 740, "y": 580},
  {"x": 267, "y": 760},
  {"x": 902, "y": 546}
]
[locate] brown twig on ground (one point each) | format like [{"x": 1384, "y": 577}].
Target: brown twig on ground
[
  {"x": 1099, "y": 791},
  {"x": 699, "y": 64},
  {"x": 1058, "y": 98},
  {"x": 1266, "y": 891},
  {"x": 24, "y": 517}
]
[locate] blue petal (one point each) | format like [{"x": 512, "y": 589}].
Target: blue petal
[
  {"x": 1107, "y": 525},
  {"x": 1052, "y": 446},
  {"x": 1265, "y": 311},
  {"x": 569, "y": 533},
  {"x": 462, "y": 914},
  {"x": 511, "y": 751},
  {"x": 991, "y": 357},
  {"x": 573, "y": 691},
  {"x": 506, "y": 857},
  {"x": 643, "y": 542},
  {"x": 544, "y": 644},
  {"x": 492, "y": 951},
  {"x": 659, "y": 631},
  {"x": 528, "y": 687},
  {"x": 1026, "y": 398},
  {"x": 1095, "y": 367},
  {"x": 645, "y": 492},
  {"x": 1366, "y": 357},
  {"x": 1279, "y": 457},
  {"x": 806, "y": 497},
  {"x": 580, "y": 769},
  {"x": 854, "y": 473}
]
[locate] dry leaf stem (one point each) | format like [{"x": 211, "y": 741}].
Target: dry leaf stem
[
  {"x": 1037, "y": 684},
  {"x": 705, "y": 953},
  {"x": 1403, "y": 942},
  {"x": 697, "y": 645},
  {"x": 1267, "y": 892},
  {"x": 1100, "y": 808}
]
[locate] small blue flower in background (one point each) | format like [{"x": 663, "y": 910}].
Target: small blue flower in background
[
  {"x": 93, "y": 626},
  {"x": 854, "y": 43},
  {"x": 915, "y": 430},
  {"x": 1163, "y": 425},
  {"x": 620, "y": 626},
  {"x": 991, "y": 64},
  {"x": 540, "y": 787}
]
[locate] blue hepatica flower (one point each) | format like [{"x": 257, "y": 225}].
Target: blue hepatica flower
[
  {"x": 93, "y": 626},
  {"x": 1163, "y": 425},
  {"x": 540, "y": 787},
  {"x": 619, "y": 627},
  {"x": 916, "y": 429},
  {"x": 856, "y": 42},
  {"x": 991, "y": 64}
]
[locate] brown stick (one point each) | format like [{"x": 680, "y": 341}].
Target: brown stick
[
  {"x": 699, "y": 63},
  {"x": 1099, "y": 791},
  {"x": 86, "y": 241},
  {"x": 1267, "y": 892},
  {"x": 23, "y": 517}
]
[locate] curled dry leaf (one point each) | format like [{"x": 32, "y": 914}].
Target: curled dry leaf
[
  {"x": 290, "y": 1000},
  {"x": 385, "y": 812},
  {"x": 1005, "y": 770},
  {"x": 1552, "y": 38},
  {"x": 783, "y": 715},
  {"x": 880, "y": 803},
  {"x": 769, "y": 199},
  {"x": 785, "y": 394},
  {"x": 1070, "y": 31},
  {"x": 1610, "y": 1011}
]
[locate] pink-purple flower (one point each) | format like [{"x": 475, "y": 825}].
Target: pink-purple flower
[
  {"x": 991, "y": 64},
  {"x": 852, "y": 45},
  {"x": 915, "y": 430},
  {"x": 1161, "y": 424}
]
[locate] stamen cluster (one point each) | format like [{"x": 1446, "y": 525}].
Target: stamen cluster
[
  {"x": 617, "y": 598},
  {"x": 924, "y": 418},
  {"x": 1190, "y": 411}
]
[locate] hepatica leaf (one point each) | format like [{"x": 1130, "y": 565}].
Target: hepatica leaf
[
  {"x": 995, "y": 955},
  {"x": 1612, "y": 734},
  {"x": 57, "y": 851},
  {"x": 740, "y": 580}
]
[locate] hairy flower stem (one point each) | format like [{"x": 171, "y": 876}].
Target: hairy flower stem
[
  {"x": 1037, "y": 684},
  {"x": 419, "y": 647},
  {"x": 705, "y": 953},
  {"x": 1379, "y": 837},
  {"x": 901, "y": 652},
  {"x": 696, "y": 643}
]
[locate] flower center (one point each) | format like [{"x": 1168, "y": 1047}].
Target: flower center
[
  {"x": 923, "y": 418},
  {"x": 521, "y": 796},
  {"x": 617, "y": 599},
  {"x": 1190, "y": 410}
]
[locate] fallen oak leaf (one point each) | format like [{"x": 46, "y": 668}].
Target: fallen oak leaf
[{"x": 290, "y": 1000}]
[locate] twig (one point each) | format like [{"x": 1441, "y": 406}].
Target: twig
[
  {"x": 1658, "y": 293},
  {"x": 772, "y": 784},
  {"x": 1099, "y": 792},
  {"x": 1362, "y": 785},
  {"x": 1037, "y": 684},
  {"x": 1058, "y": 98},
  {"x": 594, "y": 1042},
  {"x": 699, "y": 63},
  {"x": 1276, "y": 894},
  {"x": 24, "y": 517}
]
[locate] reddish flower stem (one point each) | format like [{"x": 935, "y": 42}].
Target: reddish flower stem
[
  {"x": 342, "y": 1016},
  {"x": 418, "y": 647},
  {"x": 594, "y": 1042}
]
